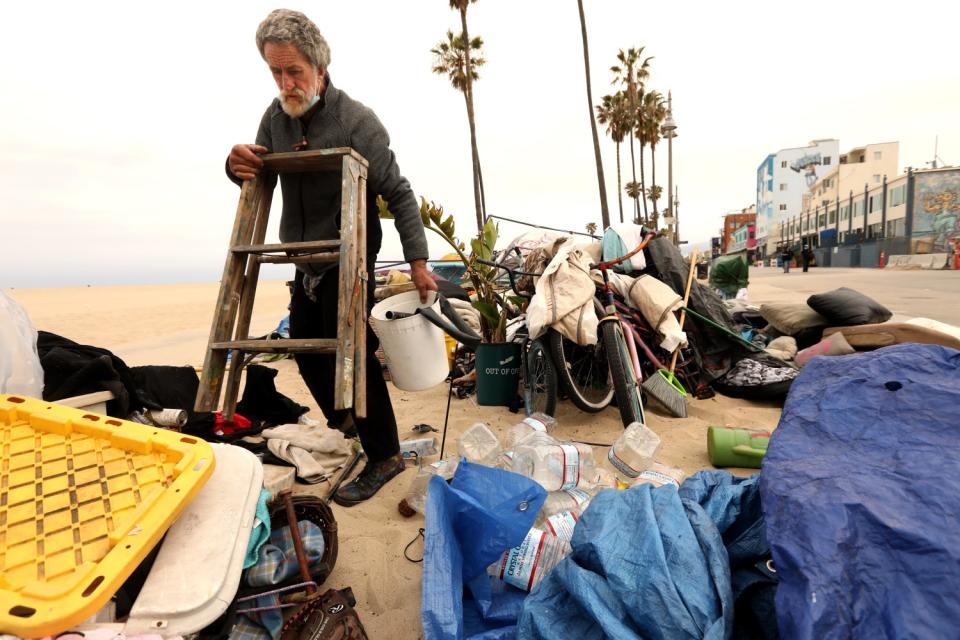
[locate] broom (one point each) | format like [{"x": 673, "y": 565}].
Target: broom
[{"x": 664, "y": 385}]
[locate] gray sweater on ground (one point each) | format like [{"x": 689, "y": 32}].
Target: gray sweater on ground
[{"x": 311, "y": 201}]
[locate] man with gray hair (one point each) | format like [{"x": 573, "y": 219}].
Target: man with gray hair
[{"x": 310, "y": 113}]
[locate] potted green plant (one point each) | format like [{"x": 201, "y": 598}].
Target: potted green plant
[{"x": 498, "y": 361}]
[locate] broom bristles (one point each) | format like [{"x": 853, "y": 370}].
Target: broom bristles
[{"x": 667, "y": 390}]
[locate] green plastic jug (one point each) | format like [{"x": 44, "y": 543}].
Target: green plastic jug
[{"x": 736, "y": 447}]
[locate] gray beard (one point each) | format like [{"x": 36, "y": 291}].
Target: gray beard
[{"x": 294, "y": 109}]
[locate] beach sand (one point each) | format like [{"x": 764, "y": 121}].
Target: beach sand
[{"x": 169, "y": 325}]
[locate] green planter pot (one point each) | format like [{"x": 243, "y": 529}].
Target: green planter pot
[
  {"x": 736, "y": 447},
  {"x": 498, "y": 373}
]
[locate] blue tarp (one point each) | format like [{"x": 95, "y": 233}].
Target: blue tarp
[
  {"x": 861, "y": 495},
  {"x": 652, "y": 563},
  {"x": 469, "y": 524}
]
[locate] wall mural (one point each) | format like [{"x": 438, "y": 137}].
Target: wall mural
[
  {"x": 936, "y": 212},
  {"x": 807, "y": 164}
]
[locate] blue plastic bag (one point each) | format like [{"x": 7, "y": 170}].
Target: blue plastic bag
[{"x": 469, "y": 524}]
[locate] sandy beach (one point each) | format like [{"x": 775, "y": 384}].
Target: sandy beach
[{"x": 169, "y": 325}]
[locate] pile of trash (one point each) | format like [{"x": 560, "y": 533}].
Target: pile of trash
[
  {"x": 517, "y": 503},
  {"x": 834, "y": 323},
  {"x": 567, "y": 470},
  {"x": 527, "y": 535}
]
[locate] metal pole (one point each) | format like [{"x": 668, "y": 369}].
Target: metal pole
[
  {"x": 673, "y": 213},
  {"x": 676, "y": 216}
]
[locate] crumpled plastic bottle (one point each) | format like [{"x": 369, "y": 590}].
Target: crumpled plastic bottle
[
  {"x": 634, "y": 450},
  {"x": 480, "y": 445},
  {"x": 535, "y": 423},
  {"x": 416, "y": 498},
  {"x": 555, "y": 465}
]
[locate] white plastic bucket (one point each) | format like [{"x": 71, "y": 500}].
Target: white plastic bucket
[{"x": 414, "y": 349}]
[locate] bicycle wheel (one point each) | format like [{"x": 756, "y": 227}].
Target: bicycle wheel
[
  {"x": 540, "y": 380},
  {"x": 582, "y": 372},
  {"x": 626, "y": 388}
]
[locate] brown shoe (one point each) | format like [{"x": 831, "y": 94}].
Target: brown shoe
[{"x": 369, "y": 481}]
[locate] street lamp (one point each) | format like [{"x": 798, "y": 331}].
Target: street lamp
[{"x": 669, "y": 129}]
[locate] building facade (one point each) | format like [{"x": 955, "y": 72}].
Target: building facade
[
  {"x": 860, "y": 170},
  {"x": 733, "y": 222},
  {"x": 744, "y": 240},
  {"x": 913, "y": 213},
  {"x": 782, "y": 180}
]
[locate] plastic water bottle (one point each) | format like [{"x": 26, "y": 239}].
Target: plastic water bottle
[
  {"x": 416, "y": 498},
  {"x": 569, "y": 500},
  {"x": 535, "y": 423},
  {"x": 634, "y": 450},
  {"x": 561, "y": 525},
  {"x": 419, "y": 448},
  {"x": 660, "y": 474},
  {"x": 480, "y": 445},
  {"x": 555, "y": 465},
  {"x": 526, "y": 565}
]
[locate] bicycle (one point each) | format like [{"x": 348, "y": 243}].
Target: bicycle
[{"x": 620, "y": 346}]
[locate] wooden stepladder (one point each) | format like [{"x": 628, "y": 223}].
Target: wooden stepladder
[{"x": 238, "y": 287}]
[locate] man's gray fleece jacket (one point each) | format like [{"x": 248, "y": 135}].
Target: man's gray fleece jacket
[{"x": 311, "y": 201}]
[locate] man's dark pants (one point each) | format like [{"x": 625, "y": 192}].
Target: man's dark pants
[{"x": 308, "y": 319}]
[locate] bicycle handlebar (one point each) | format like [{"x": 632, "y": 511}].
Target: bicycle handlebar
[{"x": 603, "y": 266}]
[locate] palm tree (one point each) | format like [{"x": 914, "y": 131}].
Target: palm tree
[
  {"x": 604, "y": 212},
  {"x": 634, "y": 190},
  {"x": 631, "y": 73},
  {"x": 452, "y": 58},
  {"x": 654, "y": 192},
  {"x": 461, "y": 7},
  {"x": 592, "y": 228},
  {"x": 613, "y": 112},
  {"x": 654, "y": 112}
]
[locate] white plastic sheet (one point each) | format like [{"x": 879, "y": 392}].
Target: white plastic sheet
[{"x": 20, "y": 370}]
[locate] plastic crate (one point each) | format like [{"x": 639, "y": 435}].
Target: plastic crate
[{"x": 83, "y": 499}]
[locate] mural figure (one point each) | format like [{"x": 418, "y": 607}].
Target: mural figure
[
  {"x": 945, "y": 208},
  {"x": 808, "y": 165},
  {"x": 937, "y": 212}
]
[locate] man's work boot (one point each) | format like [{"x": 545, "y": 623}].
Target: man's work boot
[{"x": 369, "y": 481}]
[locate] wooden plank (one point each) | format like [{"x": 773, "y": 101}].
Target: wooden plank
[
  {"x": 317, "y": 258},
  {"x": 214, "y": 363},
  {"x": 295, "y": 247},
  {"x": 247, "y": 297},
  {"x": 360, "y": 318},
  {"x": 314, "y": 160},
  {"x": 286, "y": 345},
  {"x": 344, "y": 376}
]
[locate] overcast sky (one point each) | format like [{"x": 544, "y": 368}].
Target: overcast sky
[{"x": 117, "y": 117}]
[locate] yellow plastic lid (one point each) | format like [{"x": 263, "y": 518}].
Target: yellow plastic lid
[{"x": 83, "y": 499}]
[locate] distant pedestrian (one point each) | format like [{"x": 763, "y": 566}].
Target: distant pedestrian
[
  {"x": 787, "y": 257},
  {"x": 807, "y": 257}
]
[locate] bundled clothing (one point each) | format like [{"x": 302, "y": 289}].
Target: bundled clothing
[
  {"x": 565, "y": 296},
  {"x": 656, "y": 302}
]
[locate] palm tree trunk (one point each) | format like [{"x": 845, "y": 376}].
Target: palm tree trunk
[
  {"x": 619, "y": 186},
  {"x": 653, "y": 180},
  {"x": 604, "y": 212},
  {"x": 483, "y": 195},
  {"x": 643, "y": 184},
  {"x": 468, "y": 95},
  {"x": 633, "y": 173}
]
